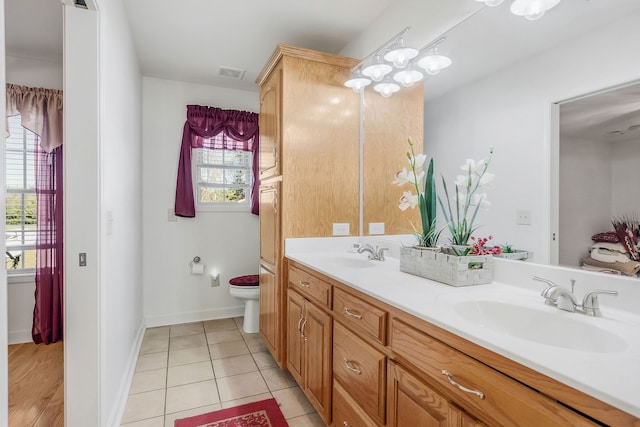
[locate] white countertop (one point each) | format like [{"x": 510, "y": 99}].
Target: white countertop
[{"x": 608, "y": 376}]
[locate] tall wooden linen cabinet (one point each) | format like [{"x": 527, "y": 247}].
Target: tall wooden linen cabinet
[{"x": 310, "y": 161}]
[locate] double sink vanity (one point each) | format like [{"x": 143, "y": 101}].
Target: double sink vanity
[{"x": 371, "y": 345}]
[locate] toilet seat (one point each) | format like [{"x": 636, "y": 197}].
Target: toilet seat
[{"x": 251, "y": 280}]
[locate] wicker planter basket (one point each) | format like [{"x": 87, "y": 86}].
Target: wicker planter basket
[
  {"x": 516, "y": 254},
  {"x": 446, "y": 267}
]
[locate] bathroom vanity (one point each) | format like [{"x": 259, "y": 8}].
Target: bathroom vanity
[{"x": 371, "y": 346}]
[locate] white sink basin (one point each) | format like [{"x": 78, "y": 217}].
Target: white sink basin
[
  {"x": 541, "y": 326},
  {"x": 351, "y": 261}
]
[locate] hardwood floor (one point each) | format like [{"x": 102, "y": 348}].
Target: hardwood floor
[{"x": 36, "y": 392}]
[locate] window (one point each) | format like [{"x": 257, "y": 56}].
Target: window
[
  {"x": 20, "y": 197},
  {"x": 223, "y": 179}
]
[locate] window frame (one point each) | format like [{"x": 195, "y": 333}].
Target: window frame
[
  {"x": 27, "y": 140},
  {"x": 221, "y": 206}
]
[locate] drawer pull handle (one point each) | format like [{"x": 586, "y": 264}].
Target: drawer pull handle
[
  {"x": 302, "y": 334},
  {"x": 350, "y": 367},
  {"x": 352, "y": 314},
  {"x": 461, "y": 387},
  {"x": 303, "y": 284},
  {"x": 300, "y": 322}
]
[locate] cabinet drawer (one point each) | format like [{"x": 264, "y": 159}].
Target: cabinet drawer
[
  {"x": 310, "y": 286},
  {"x": 360, "y": 315},
  {"x": 504, "y": 401},
  {"x": 346, "y": 413},
  {"x": 361, "y": 371}
]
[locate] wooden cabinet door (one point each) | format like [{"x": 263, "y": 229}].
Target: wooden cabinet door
[
  {"x": 270, "y": 119},
  {"x": 468, "y": 421},
  {"x": 269, "y": 223},
  {"x": 413, "y": 403},
  {"x": 316, "y": 332},
  {"x": 295, "y": 340},
  {"x": 268, "y": 310}
]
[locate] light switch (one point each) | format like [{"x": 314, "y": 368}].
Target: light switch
[
  {"x": 341, "y": 229},
  {"x": 523, "y": 217},
  {"x": 376, "y": 228}
]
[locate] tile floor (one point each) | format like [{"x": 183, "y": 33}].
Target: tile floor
[{"x": 194, "y": 368}]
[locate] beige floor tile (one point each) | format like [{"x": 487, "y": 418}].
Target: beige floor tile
[
  {"x": 234, "y": 365},
  {"x": 239, "y": 320},
  {"x": 293, "y": 403},
  {"x": 149, "y": 422},
  {"x": 148, "y": 362},
  {"x": 264, "y": 360},
  {"x": 144, "y": 405},
  {"x": 312, "y": 420},
  {"x": 187, "y": 341},
  {"x": 255, "y": 345},
  {"x": 157, "y": 332},
  {"x": 171, "y": 418},
  {"x": 217, "y": 337},
  {"x": 244, "y": 400},
  {"x": 186, "y": 329},
  {"x": 154, "y": 345},
  {"x": 243, "y": 385},
  {"x": 277, "y": 379},
  {"x": 191, "y": 373},
  {"x": 219, "y": 325},
  {"x": 188, "y": 355},
  {"x": 228, "y": 349},
  {"x": 191, "y": 396},
  {"x": 155, "y": 379}
]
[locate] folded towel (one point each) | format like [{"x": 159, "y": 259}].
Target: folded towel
[
  {"x": 609, "y": 256},
  {"x": 600, "y": 269},
  {"x": 610, "y": 246},
  {"x": 608, "y": 236},
  {"x": 628, "y": 268}
]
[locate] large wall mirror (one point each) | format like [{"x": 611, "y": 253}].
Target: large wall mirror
[{"x": 505, "y": 89}]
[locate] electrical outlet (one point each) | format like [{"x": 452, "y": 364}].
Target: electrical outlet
[
  {"x": 341, "y": 229},
  {"x": 215, "y": 280},
  {"x": 523, "y": 217},
  {"x": 376, "y": 228}
]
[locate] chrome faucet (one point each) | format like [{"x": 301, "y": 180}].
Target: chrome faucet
[
  {"x": 564, "y": 299},
  {"x": 590, "y": 304},
  {"x": 376, "y": 254}
]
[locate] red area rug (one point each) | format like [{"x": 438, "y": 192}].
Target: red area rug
[{"x": 265, "y": 413}]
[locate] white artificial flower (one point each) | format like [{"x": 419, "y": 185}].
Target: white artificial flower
[
  {"x": 408, "y": 200},
  {"x": 486, "y": 180},
  {"x": 462, "y": 181},
  {"x": 403, "y": 177},
  {"x": 419, "y": 160},
  {"x": 469, "y": 166},
  {"x": 420, "y": 177},
  {"x": 480, "y": 199}
]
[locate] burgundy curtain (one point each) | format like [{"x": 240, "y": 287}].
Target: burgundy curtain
[
  {"x": 48, "y": 311},
  {"x": 214, "y": 128}
]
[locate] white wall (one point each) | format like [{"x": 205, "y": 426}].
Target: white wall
[
  {"x": 510, "y": 110},
  {"x": 625, "y": 193},
  {"x": 226, "y": 241},
  {"x": 35, "y": 73},
  {"x": 585, "y": 195},
  {"x": 121, "y": 209}
]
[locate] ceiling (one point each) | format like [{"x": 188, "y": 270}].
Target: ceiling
[{"x": 190, "y": 40}]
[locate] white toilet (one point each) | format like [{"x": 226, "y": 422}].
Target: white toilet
[{"x": 248, "y": 288}]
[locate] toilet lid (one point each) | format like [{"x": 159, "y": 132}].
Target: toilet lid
[{"x": 250, "y": 280}]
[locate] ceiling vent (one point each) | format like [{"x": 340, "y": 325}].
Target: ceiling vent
[{"x": 232, "y": 73}]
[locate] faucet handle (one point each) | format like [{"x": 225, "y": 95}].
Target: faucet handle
[
  {"x": 590, "y": 303},
  {"x": 545, "y": 291},
  {"x": 380, "y": 252}
]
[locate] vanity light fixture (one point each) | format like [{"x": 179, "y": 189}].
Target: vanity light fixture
[
  {"x": 394, "y": 64},
  {"x": 434, "y": 62},
  {"x": 386, "y": 88},
  {"x": 532, "y": 9}
]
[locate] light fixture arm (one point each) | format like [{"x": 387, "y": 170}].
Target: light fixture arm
[{"x": 384, "y": 45}]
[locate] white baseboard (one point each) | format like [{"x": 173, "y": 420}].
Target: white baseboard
[
  {"x": 19, "y": 337},
  {"x": 193, "y": 316},
  {"x": 115, "y": 417}
]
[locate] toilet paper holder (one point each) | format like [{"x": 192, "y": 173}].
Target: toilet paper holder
[
  {"x": 196, "y": 267},
  {"x": 196, "y": 260}
]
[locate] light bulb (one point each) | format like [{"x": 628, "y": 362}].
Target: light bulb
[
  {"x": 434, "y": 62},
  {"x": 535, "y": 10},
  {"x": 493, "y": 3},
  {"x": 400, "y": 55},
  {"x": 386, "y": 88},
  {"x": 357, "y": 82},
  {"x": 408, "y": 77},
  {"x": 377, "y": 70}
]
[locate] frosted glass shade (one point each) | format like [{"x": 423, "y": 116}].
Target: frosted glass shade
[{"x": 532, "y": 9}]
